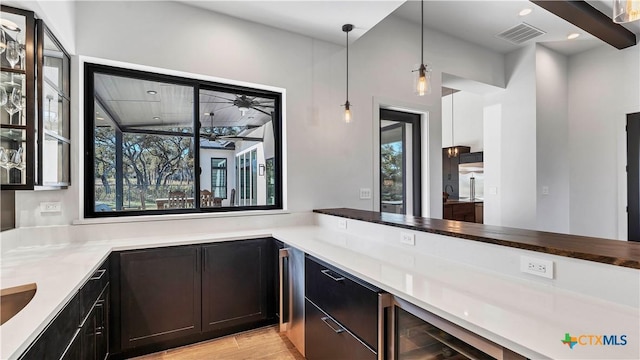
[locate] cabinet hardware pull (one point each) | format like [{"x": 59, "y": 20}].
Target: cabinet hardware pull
[
  {"x": 325, "y": 319},
  {"x": 98, "y": 274},
  {"x": 282, "y": 254},
  {"x": 327, "y": 272}
]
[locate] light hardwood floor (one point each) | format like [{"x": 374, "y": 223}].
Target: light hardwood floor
[{"x": 264, "y": 343}]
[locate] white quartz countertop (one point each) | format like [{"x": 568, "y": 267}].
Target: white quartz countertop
[{"x": 526, "y": 317}]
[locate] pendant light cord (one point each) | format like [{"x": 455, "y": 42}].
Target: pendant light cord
[
  {"x": 452, "y": 92},
  {"x": 347, "y": 66},
  {"x": 422, "y": 32}
]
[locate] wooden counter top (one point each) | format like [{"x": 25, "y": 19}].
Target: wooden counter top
[{"x": 613, "y": 252}]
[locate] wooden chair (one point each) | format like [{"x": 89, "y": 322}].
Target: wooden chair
[
  {"x": 217, "y": 202},
  {"x": 232, "y": 198},
  {"x": 177, "y": 199},
  {"x": 206, "y": 200}
]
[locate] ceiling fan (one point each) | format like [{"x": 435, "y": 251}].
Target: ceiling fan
[
  {"x": 227, "y": 133},
  {"x": 243, "y": 103}
]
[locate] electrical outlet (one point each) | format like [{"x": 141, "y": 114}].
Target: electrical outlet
[
  {"x": 538, "y": 267},
  {"x": 49, "y": 207},
  {"x": 545, "y": 190},
  {"x": 342, "y": 224},
  {"x": 408, "y": 238},
  {"x": 365, "y": 193}
]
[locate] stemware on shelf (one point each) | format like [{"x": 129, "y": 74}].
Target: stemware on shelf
[
  {"x": 16, "y": 99},
  {"x": 13, "y": 53},
  {"x": 5, "y": 158},
  {"x": 17, "y": 160},
  {"x": 3, "y": 96},
  {"x": 3, "y": 41}
]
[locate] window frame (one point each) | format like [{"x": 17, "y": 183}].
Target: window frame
[
  {"x": 88, "y": 178},
  {"x": 226, "y": 177}
]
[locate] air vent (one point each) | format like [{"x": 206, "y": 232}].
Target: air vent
[{"x": 520, "y": 33}]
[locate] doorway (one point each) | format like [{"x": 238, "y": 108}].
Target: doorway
[
  {"x": 400, "y": 172},
  {"x": 633, "y": 177}
]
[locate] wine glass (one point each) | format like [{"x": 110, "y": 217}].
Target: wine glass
[
  {"x": 13, "y": 53},
  {"x": 16, "y": 99},
  {"x": 17, "y": 160},
  {"x": 5, "y": 158},
  {"x": 3, "y": 96},
  {"x": 3, "y": 41}
]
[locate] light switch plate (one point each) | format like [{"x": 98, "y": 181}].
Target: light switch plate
[
  {"x": 50, "y": 207},
  {"x": 408, "y": 238},
  {"x": 342, "y": 224},
  {"x": 365, "y": 193}
]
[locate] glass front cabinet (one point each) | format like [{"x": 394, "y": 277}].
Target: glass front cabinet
[{"x": 35, "y": 104}]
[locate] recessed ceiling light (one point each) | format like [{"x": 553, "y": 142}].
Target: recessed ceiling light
[
  {"x": 572, "y": 36},
  {"x": 525, "y": 12},
  {"x": 156, "y": 118},
  {"x": 152, "y": 92},
  {"x": 99, "y": 118}
]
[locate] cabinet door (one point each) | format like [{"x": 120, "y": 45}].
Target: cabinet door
[
  {"x": 234, "y": 283},
  {"x": 88, "y": 336},
  {"x": 102, "y": 325},
  {"x": 160, "y": 295}
]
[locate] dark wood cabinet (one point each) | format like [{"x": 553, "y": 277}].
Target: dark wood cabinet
[
  {"x": 463, "y": 211},
  {"x": 80, "y": 329},
  {"x": 159, "y": 295},
  {"x": 450, "y": 175},
  {"x": 474, "y": 157},
  {"x": 329, "y": 340},
  {"x": 341, "y": 314},
  {"x": 234, "y": 283}
]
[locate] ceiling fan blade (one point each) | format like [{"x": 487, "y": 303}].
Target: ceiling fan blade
[
  {"x": 219, "y": 97},
  {"x": 214, "y": 102},
  {"x": 240, "y": 138},
  {"x": 262, "y": 111}
]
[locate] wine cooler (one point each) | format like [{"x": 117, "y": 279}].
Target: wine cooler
[{"x": 419, "y": 335}]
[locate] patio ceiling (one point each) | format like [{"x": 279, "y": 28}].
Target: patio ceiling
[{"x": 129, "y": 103}]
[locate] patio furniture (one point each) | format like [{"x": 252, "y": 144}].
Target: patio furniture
[
  {"x": 206, "y": 200},
  {"x": 177, "y": 200},
  {"x": 217, "y": 202}
]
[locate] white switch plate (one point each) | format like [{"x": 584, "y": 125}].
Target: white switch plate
[
  {"x": 545, "y": 190},
  {"x": 535, "y": 266},
  {"x": 49, "y": 207},
  {"x": 365, "y": 193},
  {"x": 342, "y": 224},
  {"x": 407, "y": 238}
]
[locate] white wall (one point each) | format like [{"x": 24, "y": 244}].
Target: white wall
[
  {"x": 552, "y": 145},
  {"x": 217, "y": 45},
  {"x": 381, "y": 65},
  {"x": 468, "y": 120},
  {"x": 515, "y": 158},
  {"x": 604, "y": 86},
  {"x": 60, "y": 17}
]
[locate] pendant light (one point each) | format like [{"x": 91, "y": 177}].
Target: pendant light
[
  {"x": 452, "y": 151},
  {"x": 422, "y": 84},
  {"x": 347, "y": 106},
  {"x": 625, "y": 11}
]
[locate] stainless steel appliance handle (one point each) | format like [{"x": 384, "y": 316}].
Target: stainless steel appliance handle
[
  {"x": 326, "y": 319},
  {"x": 327, "y": 272},
  {"x": 385, "y": 300},
  {"x": 282, "y": 254}
]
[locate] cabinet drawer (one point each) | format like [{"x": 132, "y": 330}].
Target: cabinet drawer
[
  {"x": 353, "y": 304},
  {"x": 92, "y": 289},
  {"x": 330, "y": 340}
]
